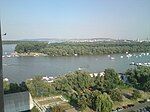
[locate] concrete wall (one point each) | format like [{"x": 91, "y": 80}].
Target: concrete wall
[{"x": 17, "y": 102}]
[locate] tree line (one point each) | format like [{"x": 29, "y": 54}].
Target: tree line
[{"x": 84, "y": 48}]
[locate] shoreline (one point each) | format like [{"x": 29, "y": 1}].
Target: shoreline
[
  {"x": 76, "y": 55},
  {"x": 32, "y": 54}
]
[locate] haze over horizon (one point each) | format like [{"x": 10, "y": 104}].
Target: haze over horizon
[{"x": 67, "y": 19}]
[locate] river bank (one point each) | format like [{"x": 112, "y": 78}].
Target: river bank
[{"x": 30, "y": 54}]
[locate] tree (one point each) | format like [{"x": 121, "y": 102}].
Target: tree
[
  {"x": 139, "y": 77},
  {"x": 56, "y": 108},
  {"x": 136, "y": 94},
  {"x": 82, "y": 102},
  {"x": 146, "y": 86},
  {"x": 111, "y": 79},
  {"x": 84, "y": 48},
  {"x": 116, "y": 95},
  {"x": 6, "y": 86},
  {"x": 14, "y": 87},
  {"x": 103, "y": 103}
]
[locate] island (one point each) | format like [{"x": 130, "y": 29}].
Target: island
[{"x": 81, "y": 48}]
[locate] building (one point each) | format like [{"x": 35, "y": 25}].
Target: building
[{"x": 16, "y": 102}]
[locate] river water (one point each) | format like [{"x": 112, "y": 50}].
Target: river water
[{"x": 18, "y": 69}]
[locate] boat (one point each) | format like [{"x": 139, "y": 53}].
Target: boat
[
  {"x": 143, "y": 64},
  {"x": 79, "y": 68},
  {"x": 132, "y": 63},
  {"x": 8, "y": 56},
  {"x": 75, "y": 54},
  {"x": 112, "y": 58},
  {"x": 138, "y": 64},
  {"x": 121, "y": 56},
  {"x": 129, "y": 55},
  {"x": 143, "y": 54},
  {"x": 6, "y": 79}
]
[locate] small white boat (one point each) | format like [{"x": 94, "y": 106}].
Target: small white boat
[
  {"x": 79, "y": 68},
  {"x": 145, "y": 63},
  {"x": 75, "y": 54},
  {"x": 121, "y": 56},
  {"x": 108, "y": 55},
  {"x": 6, "y": 79},
  {"x": 112, "y": 58},
  {"x": 139, "y": 64},
  {"x": 132, "y": 63},
  {"x": 129, "y": 55},
  {"x": 8, "y": 56}
]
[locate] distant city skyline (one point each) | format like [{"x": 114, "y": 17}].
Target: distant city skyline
[{"x": 75, "y": 19}]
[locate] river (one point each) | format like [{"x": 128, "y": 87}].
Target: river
[{"x": 18, "y": 69}]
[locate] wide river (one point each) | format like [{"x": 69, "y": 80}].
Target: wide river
[{"x": 21, "y": 68}]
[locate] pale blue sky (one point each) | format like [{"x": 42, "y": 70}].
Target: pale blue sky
[{"x": 25, "y": 19}]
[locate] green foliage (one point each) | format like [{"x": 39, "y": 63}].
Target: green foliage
[
  {"x": 80, "y": 89},
  {"x": 139, "y": 77},
  {"x": 14, "y": 87},
  {"x": 82, "y": 103},
  {"x": 56, "y": 109},
  {"x": 103, "y": 103},
  {"x": 27, "y": 47},
  {"x": 111, "y": 79},
  {"x": 136, "y": 94},
  {"x": 38, "y": 87},
  {"x": 116, "y": 95},
  {"x": 6, "y": 86},
  {"x": 93, "y": 48}
]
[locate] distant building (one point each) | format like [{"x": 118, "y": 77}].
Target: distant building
[{"x": 18, "y": 102}]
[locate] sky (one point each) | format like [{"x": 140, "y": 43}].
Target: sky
[{"x": 67, "y": 19}]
